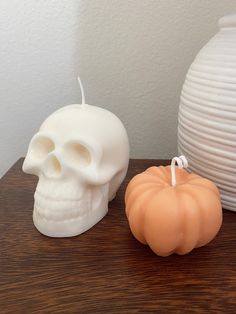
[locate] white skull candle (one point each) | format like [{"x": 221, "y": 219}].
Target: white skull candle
[{"x": 80, "y": 155}]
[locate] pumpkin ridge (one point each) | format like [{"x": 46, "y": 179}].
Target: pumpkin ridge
[
  {"x": 181, "y": 235},
  {"x": 138, "y": 210},
  {"x": 167, "y": 174},
  {"x": 134, "y": 181},
  {"x": 158, "y": 180},
  {"x": 188, "y": 217},
  {"x": 158, "y": 173},
  {"x": 202, "y": 205},
  {"x": 152, "y": 178},
  {"x": 209, "y": 186},
  {"x": 141, "y": 180},
  {"x": 134, "y": 194},
  {"x": 145, "y": 176},
  {"x": 158, "y": 244},
  {"x": 143, "y": 185}
]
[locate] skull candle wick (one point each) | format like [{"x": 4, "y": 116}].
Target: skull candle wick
[{"x": 80, "y": 155}]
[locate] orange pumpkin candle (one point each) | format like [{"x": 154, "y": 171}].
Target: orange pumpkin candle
[{"x": 171, "y": 210}]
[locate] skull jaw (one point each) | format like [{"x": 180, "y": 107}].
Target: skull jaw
[{"x": 70, "y": 227}]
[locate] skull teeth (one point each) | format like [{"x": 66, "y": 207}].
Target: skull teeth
[
  {"x": 59, "y": 210},
  {"x": 50, "y": 215}
]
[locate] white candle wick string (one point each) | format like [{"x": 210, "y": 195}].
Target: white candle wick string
[
  {"x": 181, "y": 162},
  {"x": 81, "y": 90}
]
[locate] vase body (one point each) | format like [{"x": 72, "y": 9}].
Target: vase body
[{"x": 207, "y": 112}]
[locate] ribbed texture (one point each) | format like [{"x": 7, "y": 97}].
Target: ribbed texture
[
  {"x": 172, "y": 219},
  {"x": 207, "y": 113}
]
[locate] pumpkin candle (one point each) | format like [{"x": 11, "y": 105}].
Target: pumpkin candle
[{"x": 171, "y": 210}]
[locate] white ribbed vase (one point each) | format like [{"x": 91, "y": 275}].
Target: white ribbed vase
[{"x": 207, "y": 112}]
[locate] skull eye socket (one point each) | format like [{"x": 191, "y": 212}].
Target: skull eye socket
[
  {"x": 41, "y": 147},
  {"x": 78, "y": 155}
]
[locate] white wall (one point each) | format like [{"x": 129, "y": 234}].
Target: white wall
[{"x": 132, "y": 56}]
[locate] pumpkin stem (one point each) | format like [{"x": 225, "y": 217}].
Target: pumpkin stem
[
  {"x": 181, "y": 162},
  {"x": 81, "y": 90}
]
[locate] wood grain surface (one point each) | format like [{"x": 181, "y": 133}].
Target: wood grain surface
[{"x": 105, "y": 270}]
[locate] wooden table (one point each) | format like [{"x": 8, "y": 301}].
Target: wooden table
[{"x": 105, "y": 270}]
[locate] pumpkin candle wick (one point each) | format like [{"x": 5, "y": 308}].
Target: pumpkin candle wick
[
  {"x": 82, "y": 91},
  {"x": 181, "y": 162}
]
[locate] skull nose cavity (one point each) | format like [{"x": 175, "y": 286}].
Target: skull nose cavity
[{"x": 52, "y": 167}]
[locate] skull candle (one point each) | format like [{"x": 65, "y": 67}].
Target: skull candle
[{"x": 80, "y": 156}]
